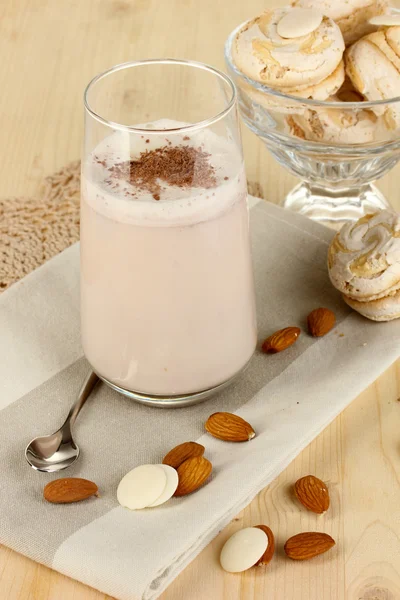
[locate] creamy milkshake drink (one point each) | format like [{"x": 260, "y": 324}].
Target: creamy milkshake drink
[
  {"x": 167, "y": 291},
  {"x": 167, "y": 283}
]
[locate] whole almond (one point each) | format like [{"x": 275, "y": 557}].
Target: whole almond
[
  {"x": 69, "y": 489},
  {"x": 320, "y": 321},
  {"x": 192, "y": 474},
  {"x": 228, "y": 427},
  {"x": 307, "y": 545},
  {"x": 268, "y": 554},
  {"x": 312, "y": 493},
  {"x": 280, "y": 340},
  {"x": 179, "y": 454}
]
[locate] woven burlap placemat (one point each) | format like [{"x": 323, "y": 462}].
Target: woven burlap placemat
[{"x": 32, "y": 230}]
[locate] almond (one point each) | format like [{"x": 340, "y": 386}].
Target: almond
[
  {"x": 268, "y": 554},
  {"x": 179, "y": 454},
  {"x": 228, "y": 427},
  {"x": 320, "y": 321},
  {"x": 312, "y": 493},
  {"x": 307, "y": 545},
  {"x": 69, "y": 489},
  {"x": 192, "y": 474},
  {"x": 280, "y": 340}
]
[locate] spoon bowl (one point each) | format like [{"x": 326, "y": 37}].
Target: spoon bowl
[{"x": 51, "y": 453}]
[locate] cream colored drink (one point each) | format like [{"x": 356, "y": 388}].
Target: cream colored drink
[{"x": 167, "y": 296}]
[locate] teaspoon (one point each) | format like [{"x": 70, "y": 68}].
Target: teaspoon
[{"x": 51, "y": 453}]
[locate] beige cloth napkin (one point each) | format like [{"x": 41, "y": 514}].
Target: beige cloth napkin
[{"x": 288, "y": 398}]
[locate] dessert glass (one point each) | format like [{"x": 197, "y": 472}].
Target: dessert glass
[
  {"x": 167, "y": 292},
  {"x": 337, "y": 166}
]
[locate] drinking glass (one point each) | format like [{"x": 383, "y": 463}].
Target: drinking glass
[{"x": 167, "y": 291}]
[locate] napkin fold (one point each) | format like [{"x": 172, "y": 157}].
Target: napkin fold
[{"x": 288, "y": 398}]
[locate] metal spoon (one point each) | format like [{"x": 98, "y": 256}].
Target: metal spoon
[{"x": 58, "y": 451}]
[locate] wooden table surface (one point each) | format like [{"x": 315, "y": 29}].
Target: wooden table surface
[{"x": 49, "y": 50}]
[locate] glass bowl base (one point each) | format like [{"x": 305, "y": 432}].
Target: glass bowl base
[{"x": 334, "y": 207}]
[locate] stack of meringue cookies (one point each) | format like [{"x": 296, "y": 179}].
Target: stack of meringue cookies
[
  {"x": 325, "y": 50},
  {"x": 336, "y": 51},
  {"x": 364, "y": 264}
]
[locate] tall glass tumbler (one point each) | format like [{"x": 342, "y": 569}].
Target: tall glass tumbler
[{"x": 167, "y": 292}]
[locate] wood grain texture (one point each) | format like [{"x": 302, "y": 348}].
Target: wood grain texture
[{"x": 50, "y": 49}]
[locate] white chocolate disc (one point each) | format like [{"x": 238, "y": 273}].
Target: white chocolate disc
[
  {"x": 243, "y": 549},
  {"x": 142, "y": 486},
  {"x": 298, "y": 22},
  {"x": 388, "y": 20},
  {"x": 172, "y": 484}
]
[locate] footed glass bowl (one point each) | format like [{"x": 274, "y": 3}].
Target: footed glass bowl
[{"x": 337, "y": 148}]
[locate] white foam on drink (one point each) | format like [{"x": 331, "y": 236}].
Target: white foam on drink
[{"x": 120, "y": 201}]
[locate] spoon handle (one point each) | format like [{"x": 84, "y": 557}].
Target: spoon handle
[{"x": 84, "y": 394}]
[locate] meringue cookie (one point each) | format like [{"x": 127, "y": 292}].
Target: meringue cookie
[
  {"x": 325, "y": 88},
  {"x": 364, "y": 257},
  {"x": 372, "y": 64},
  {"x": 352, "y": 16},
  {"x": 321, "y": 91},
  {"x": 383, "y": 309},
  {"x": 388, "y": 42},
  {"x": 294, "y": 65},
  {"x": 339, "y": 126},
  {"x": 392, "y": 35}
]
